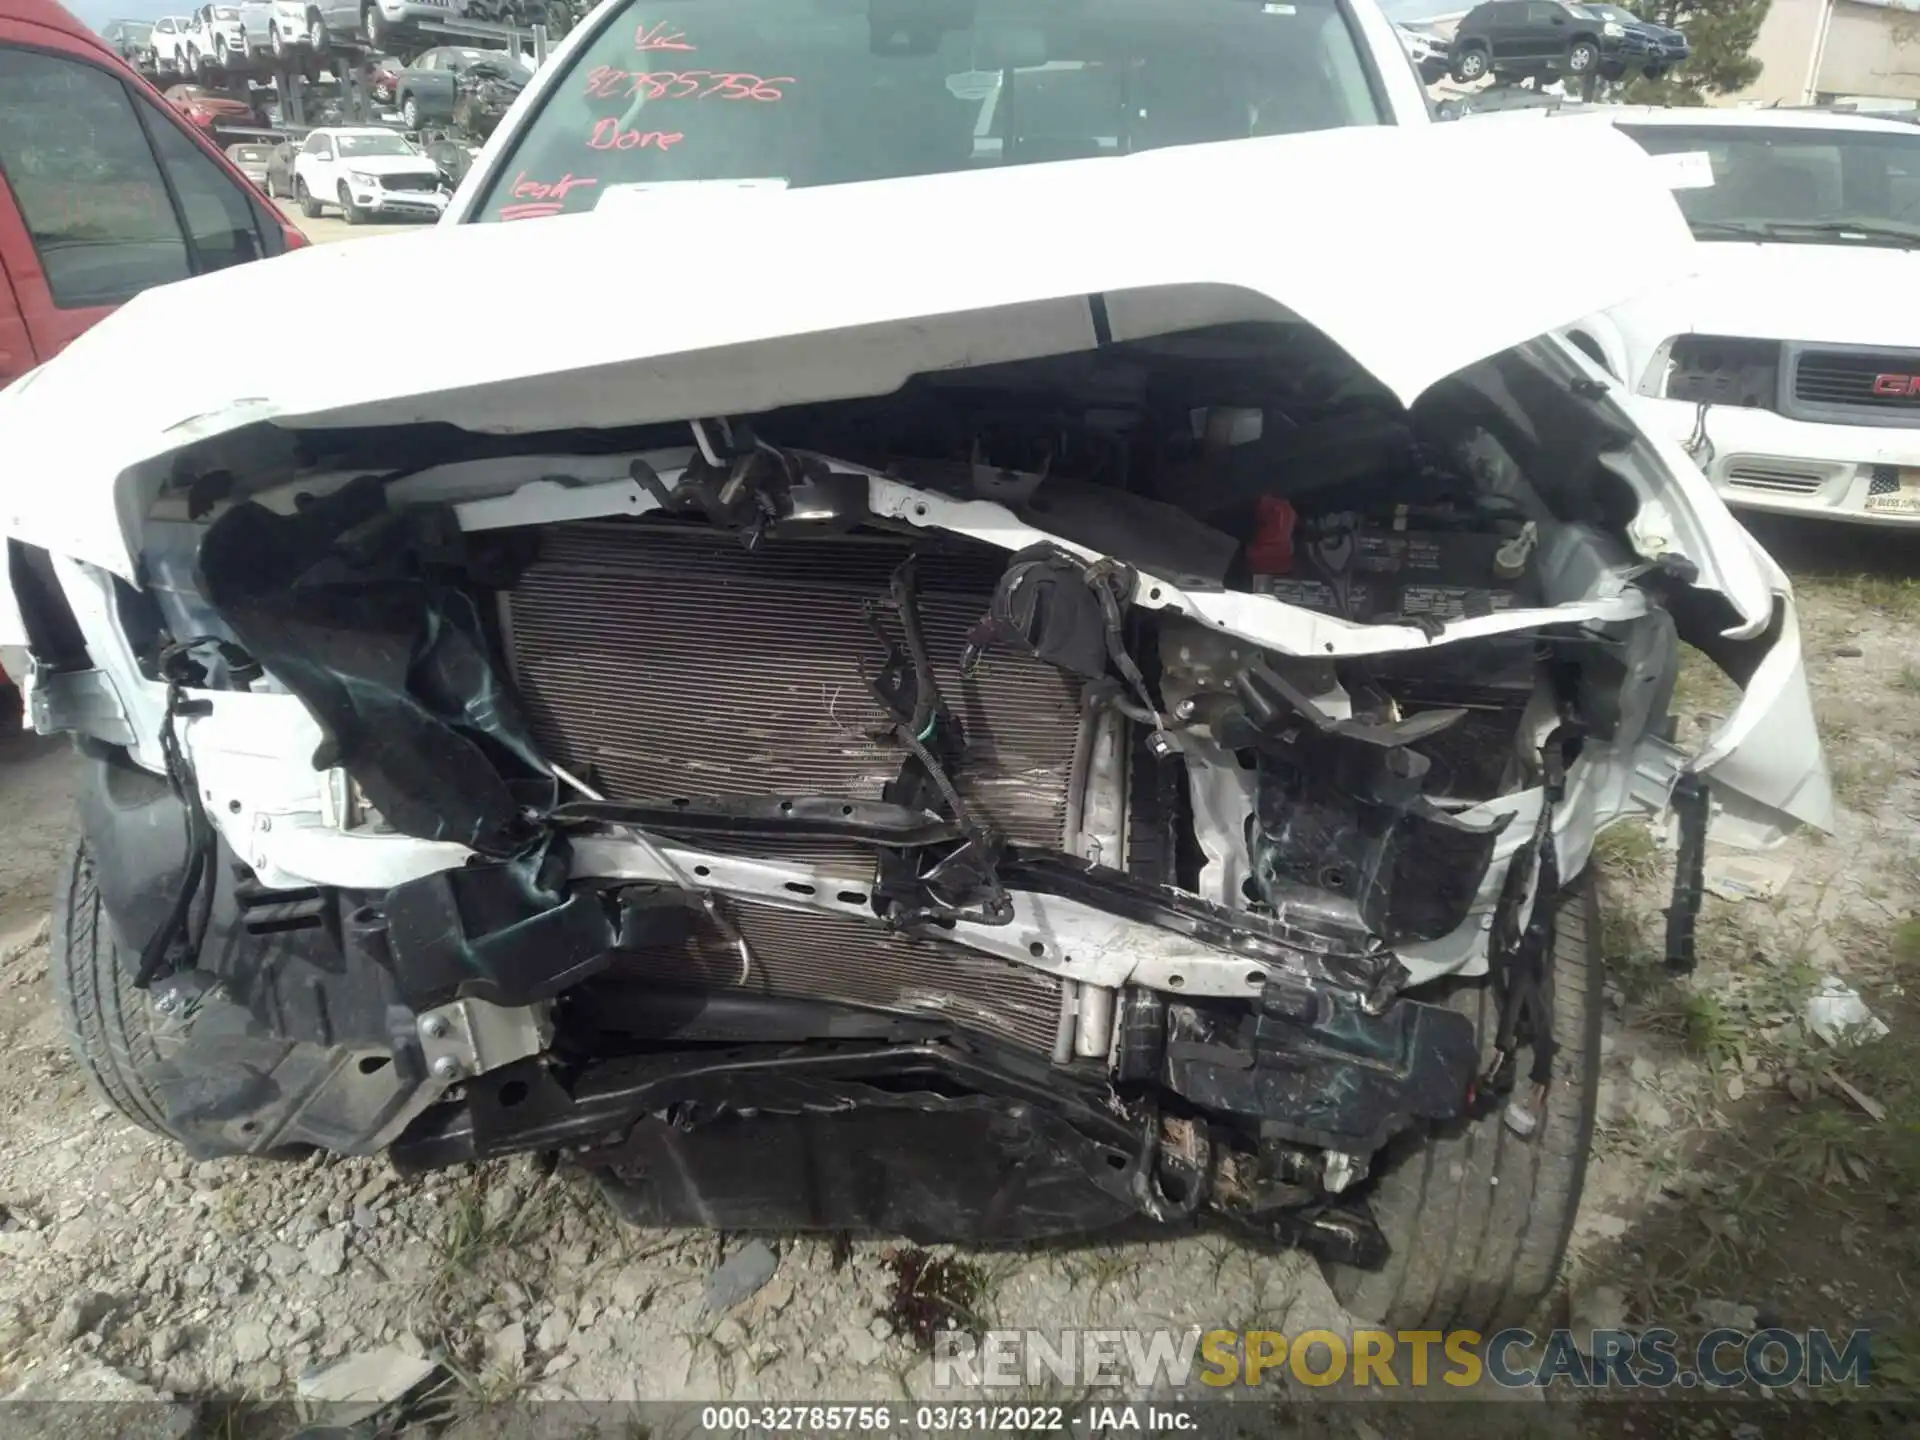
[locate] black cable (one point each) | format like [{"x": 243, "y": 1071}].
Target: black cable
[
  {"x": 1523, "y": 965},
  {"x": 1699, "y": 444},
  {"x": 1100, "y": 577},
  {"x": 200, "y": 834}
]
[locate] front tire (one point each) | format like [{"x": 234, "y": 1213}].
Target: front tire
[
  {"x": 309, "y": 206},
  {"x": 379, "y": 33},
  {"x": 317, "y": 39},
  {"x": 410, "y": 112},
  {"x": 108, "y": 1025},
  {"x": 1583, "y": 57},
  {"x": 1477, "y": 1217},
  {"x": 350, "y": 212},
  {"x": 1472, "y": 65}
]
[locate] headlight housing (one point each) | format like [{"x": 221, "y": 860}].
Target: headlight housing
[
  {"x": 1613, "y": 30},
  {"x": 363, "y": 180},
  {"x": 1724, "y": 370}
]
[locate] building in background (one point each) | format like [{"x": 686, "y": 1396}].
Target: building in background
[{"x": 1867, "y": 51}]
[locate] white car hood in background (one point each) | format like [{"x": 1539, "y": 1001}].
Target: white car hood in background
[
  {"x": 781, "y": 297},
  {"x": 1845, "y": 294}
]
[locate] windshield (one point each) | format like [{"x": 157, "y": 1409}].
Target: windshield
[
  {"x": 225, "y": 12},
  {"x": 1759, "y": 180},
  {"x": 374, "y": 145},
  {"x": 134, "y": 32},
  {"x": 250, "y": 152},
  {"x": 821, "y": 92}
]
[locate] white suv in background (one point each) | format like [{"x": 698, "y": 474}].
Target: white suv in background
[
  {"x": 276, "y": 25},
  {"x": 216, "y": 36},
  {"x": 170, "y": 43},
  {"x": 1789, "y": 366},
  {"x": 368, "y": 172}
]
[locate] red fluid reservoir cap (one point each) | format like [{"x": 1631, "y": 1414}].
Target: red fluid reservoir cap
[{"x": 1270, "y": 552}]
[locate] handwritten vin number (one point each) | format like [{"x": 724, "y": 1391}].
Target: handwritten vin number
[{"x": 608, "y": 82}]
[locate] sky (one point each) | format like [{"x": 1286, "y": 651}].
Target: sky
[{"x": 97, "y": 12}]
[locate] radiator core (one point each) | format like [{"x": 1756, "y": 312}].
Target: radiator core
[{"x": 672, "y": 662}]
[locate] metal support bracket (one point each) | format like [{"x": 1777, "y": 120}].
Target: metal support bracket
[{"x": 471, "y": 1037}]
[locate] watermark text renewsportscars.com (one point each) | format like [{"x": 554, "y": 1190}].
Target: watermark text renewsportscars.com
[{"x": 1459, "y": 1360}]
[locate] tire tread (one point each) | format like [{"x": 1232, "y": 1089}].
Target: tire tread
[
  {"x": 105, "y": 1018},
  {"x": 1478, "y": 1218}
]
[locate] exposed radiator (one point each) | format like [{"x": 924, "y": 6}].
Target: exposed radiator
[{"x": 672, "y": 662}]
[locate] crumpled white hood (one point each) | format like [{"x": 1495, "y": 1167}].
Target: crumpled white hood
[{"x": 662, "y": 312}]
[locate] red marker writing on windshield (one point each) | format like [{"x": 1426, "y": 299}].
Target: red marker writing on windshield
[
  {"x": 525, "y": 189},
  {"x": 659, "y": 37}
]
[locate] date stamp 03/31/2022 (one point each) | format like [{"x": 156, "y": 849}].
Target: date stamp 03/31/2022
[{"x": 948, "y": 1418}]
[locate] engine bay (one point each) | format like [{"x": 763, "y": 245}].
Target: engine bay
[{"x": 1090, "y": 760}]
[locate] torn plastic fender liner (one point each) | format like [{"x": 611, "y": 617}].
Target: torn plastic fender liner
[
  {"x": 501, "y": 931},
  {"x": 230, "y": 1083},
  {"x": 136, "y": 831},
  {"x": 340, "y": 603}
]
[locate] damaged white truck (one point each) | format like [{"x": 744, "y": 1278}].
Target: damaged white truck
[{"x": 977, "y": 706}]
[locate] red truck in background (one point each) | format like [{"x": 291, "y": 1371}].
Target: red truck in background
[{"x": 105, "y": 191}]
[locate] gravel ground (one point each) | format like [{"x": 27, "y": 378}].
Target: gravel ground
[{"x": 122, "y": 1262}]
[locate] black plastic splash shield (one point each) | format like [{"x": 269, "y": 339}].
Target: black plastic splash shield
[
  {"x": 529, "y": 1106},
  {"x": 925, "y": 1140},
  {"x": 1316, "y": 1069},
  {"x": 357, "y": 610},
  {"x": 1411, "y": 870},
  {"x": 936, "y": 1169},
  {"x": 508, "y": 932}
]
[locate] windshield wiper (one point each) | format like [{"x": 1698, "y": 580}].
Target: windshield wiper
[
  {"x": 1741, "y": 229},
  {"x": 1882, "y": 231}
]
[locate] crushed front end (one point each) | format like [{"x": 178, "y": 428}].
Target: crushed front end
[{"x": 1050, "y": 794}]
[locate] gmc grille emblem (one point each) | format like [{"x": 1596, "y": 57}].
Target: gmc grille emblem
[{"x": 1896, "y": 385}]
